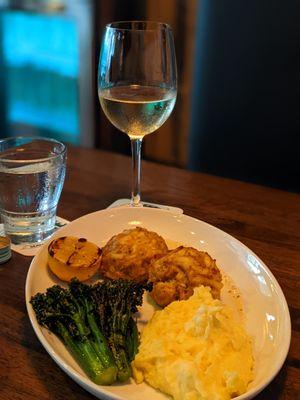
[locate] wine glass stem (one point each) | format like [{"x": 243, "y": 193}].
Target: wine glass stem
[{"x": 136, "y": 145}]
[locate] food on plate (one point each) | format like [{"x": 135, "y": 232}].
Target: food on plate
[
  {"x": 175, "y": 275},
  {"x": 66, "y": 316},
  {"x": 117, "y": 301},
  {"x": 140, "y": 255},
  {"x": 71, "y": 257},
  {"x": 194, "y": 349},
  {"x": 129, "y": 254},
  {"x": 103, "y": 336}
]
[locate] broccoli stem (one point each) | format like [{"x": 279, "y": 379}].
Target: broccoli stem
[
  {"x": 87, "y": 358},
  {"x": 118, "y": 348},
  {"x": 132, "y": 339},
  {"x": 100, "y": 342},
  {"x": 82, "y": 328}
]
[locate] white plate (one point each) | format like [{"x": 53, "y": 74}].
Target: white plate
[{"x": 265, "y": 308}]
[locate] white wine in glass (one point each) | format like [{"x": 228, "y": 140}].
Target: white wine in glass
[
  {"x": 137, "y": 83},
  {"x": 137, "y": 110}
]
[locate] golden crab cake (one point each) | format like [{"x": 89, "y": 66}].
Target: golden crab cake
[
  {"x": 175, "y": 275},
  {"x": 129, "y": 254}
]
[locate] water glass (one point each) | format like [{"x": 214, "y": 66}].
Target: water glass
[{"x": 32, "y": 172}]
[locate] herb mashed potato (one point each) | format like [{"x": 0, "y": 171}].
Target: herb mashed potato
[{"x": 195, "y": 350}]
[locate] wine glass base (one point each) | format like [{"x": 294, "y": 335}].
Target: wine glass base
[{"x": 127, "y": 203}]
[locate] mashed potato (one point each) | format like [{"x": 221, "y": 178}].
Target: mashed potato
[{"x": 195, "y": 350}]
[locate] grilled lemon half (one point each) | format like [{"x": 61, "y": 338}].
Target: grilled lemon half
[{"x": 71, "y": 257}]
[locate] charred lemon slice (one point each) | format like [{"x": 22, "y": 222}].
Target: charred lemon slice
[{"x": 70, "y": 257}]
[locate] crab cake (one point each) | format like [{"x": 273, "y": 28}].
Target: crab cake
[
  {"x": 129, "y": 254},
  {"x": 175, "y": 275}
]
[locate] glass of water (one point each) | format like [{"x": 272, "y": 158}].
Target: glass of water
[{"x": 32, "y": 172}]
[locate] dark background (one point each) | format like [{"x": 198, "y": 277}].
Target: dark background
[{"x": 246, "y": 96}]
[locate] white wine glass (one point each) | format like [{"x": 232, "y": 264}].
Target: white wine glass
[{"x": 137, "y": 83}]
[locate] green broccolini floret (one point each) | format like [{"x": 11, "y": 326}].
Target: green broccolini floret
[
  {"x": 117, "y": 301},
  {"x": 96, "y": 323},
  {"x": 66, "y": 315},
  {"x": 82, "y": 293}
]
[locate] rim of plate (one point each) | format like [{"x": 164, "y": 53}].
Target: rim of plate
[{"x": 80, "y": 379}]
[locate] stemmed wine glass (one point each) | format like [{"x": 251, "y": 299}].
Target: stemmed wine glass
[{"x": 137, "y": 83}]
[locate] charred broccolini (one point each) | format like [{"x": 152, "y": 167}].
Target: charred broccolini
[
  {"x": 117, "y": 301},
  {"x": 63, "y": 314},
  {"x": 95, "y": 323}
]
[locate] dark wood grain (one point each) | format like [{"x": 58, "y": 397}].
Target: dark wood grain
[{"x": 266, "y": 220}]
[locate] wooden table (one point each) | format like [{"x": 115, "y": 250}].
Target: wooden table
[{"x": 266, "y": 220}]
